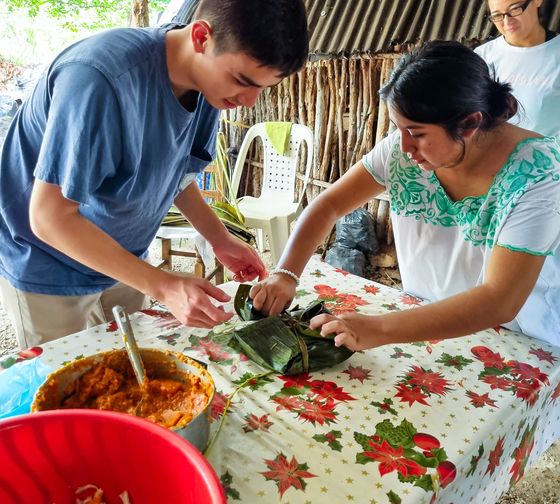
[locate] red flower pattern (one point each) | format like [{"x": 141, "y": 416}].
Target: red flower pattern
[
  {"x": 316, "y": 411},
  {"x": 338, "y": 302},
  {"x": 341, "y": 271},
  {"x": 528, "y": 391},
  {"x": 325, "y": 291},
  {"x": 419, "y": 383},
  {"x": 165, "y": 318},
  {"x": 495, "y": 456},
  {"x": 411, "y": 395},
  {"x": 409, "y": 300},
  {"x": 214, "y": 351},
  {"x": 358, "y": 373},
  {"x": 218, "y": 405},
  {"x": 489, "y": 358},
  {"x": 543, "y": 355},
  {"x": 480, "y": 400},
  {"x": 290, "y": 403},
  {"x": 556, "y": 393},
  {"x": 286, "y": 473},
  {"x": 497, "y": 382},
  {"x": 524, "y": 380},
  {"x": 391, "y": 459},
  {"x": 430, "y": 382},
  {"x": 521, "y": 455},
  {"x": 371, "y": 289},
  {"x": 254, "y": 423},
  {"x": 112, "y": 326},
  {"x": 528, "y": 372},
  {"x": 312, "y": 401},
  {"x": 299, "y": 380},
  {"x": 330, "y": 390}
]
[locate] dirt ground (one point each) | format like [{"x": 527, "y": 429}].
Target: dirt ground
[{"x": 7, "y": 72}]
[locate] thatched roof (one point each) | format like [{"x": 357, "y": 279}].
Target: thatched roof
[{"x": 346, "y": 27}]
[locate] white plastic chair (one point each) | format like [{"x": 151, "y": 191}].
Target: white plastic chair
[{"x": 276, "y": 208}]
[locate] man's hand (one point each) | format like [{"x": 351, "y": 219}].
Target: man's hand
[
  {"x": 189, "y": 299},
  {"x": 238, "y": 257},
  {"x": 241, "y": 259}
]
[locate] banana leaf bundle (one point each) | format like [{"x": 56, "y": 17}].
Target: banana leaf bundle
[{"x": 285, "y": 343}]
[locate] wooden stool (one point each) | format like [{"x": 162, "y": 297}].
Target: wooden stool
[
  {"x": 199, "y": 268},
  {"x": 190, "y": 233}
]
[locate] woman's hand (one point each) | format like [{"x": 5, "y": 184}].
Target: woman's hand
[
  {"x": 274, "y": 294},
  {"x": 353, "y": 330}
]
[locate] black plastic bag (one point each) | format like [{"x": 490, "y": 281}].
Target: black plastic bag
[
  {"x": 357, "y": 231},
  {"x": 351, "y": 260}
]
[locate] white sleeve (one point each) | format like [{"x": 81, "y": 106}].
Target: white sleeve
[
  {"x": 533, "y": 224},
  {"x": 376, "y": 161}
]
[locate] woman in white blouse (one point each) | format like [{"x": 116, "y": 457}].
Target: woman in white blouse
[{"x": 475, "y": 205}]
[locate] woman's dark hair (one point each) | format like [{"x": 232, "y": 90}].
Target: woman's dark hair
[
  {"x": 443, "y": 83},
  {"x": 273, "y": 32}
]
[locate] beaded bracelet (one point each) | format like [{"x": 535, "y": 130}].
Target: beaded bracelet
[{"x": 289, "y": 273}]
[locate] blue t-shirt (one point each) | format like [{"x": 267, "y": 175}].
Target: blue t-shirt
[{"x": 104, "y": 125}]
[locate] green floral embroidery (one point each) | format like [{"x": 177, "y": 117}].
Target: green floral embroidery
[{"x": 417, "y": 193}]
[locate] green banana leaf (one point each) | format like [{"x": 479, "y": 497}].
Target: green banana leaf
[
  {"x": 230, "y": 217},
  {"x": 235, "y": 214},
  {"x": 285, "y": 343}
]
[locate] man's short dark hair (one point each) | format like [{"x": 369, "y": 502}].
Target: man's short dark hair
[{"x": 273, "y": 32}]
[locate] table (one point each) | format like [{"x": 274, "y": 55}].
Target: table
[{"x": 447, "y": 421}]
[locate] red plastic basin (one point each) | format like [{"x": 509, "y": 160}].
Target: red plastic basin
[{"x": 45, "y": 457}]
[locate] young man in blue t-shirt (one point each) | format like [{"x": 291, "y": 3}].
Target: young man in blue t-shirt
[{"x": 113, "y": 134}]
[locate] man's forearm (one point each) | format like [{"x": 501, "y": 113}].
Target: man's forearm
[
  {"x": 191, "y": 204},
  {"x": 83, "y": 241}
]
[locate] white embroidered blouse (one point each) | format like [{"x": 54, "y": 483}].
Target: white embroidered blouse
[{"x": 443, "y": 246}]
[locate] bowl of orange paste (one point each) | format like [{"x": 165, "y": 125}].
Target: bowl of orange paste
[{"x": 177, "y": 394}]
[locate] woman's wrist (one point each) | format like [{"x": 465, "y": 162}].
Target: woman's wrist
[
  {"x": 390, "y": 328},
  {"x": 286, "y": 273}
]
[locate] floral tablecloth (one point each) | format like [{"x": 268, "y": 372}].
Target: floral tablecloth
[{"x": 451, "y": 421}]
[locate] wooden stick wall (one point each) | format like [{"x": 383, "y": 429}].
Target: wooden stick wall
[{"x": 338, "y": 99}]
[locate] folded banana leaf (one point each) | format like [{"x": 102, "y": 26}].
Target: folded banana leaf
[{"x": 285, "y": 343}]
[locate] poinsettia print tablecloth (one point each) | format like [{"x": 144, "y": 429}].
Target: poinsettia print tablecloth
[{"x": 442, "y": 421}]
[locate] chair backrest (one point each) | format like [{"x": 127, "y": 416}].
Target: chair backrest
[{"x": 279, "y": 175}]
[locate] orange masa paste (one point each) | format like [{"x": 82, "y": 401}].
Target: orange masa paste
[{"x": 168, "y": 402}]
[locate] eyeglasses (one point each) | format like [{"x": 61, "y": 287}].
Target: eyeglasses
[{"x": 515, "y": 11}]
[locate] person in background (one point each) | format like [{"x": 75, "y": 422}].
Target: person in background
[
  {"x": 528, "y": 57},
  {"x": 115, "y": 132},
  {"x": 475, "y": 208}
]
